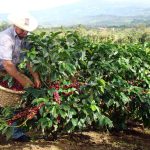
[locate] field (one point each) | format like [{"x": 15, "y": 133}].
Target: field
[
  {"x": 91, "y": 140},
  {"x": 93, "y": 81}
]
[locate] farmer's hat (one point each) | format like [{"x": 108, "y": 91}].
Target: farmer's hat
[{"x": 24, "y": 21}]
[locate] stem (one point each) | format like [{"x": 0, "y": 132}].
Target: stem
[{"x": 17, "y": 126}]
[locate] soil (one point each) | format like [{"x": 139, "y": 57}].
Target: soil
[{"x": 136, "y": 139}]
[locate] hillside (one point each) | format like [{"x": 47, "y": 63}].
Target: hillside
[{"x": 92, "y": 15}]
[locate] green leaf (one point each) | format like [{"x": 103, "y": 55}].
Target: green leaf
[
  {"x": 45, "y": 122},
  {"x": 105, "y": 121},
  {"x": 65, "y": 107},
  {"x": 93, "y": 107},
  {"x": 74, "y": 122},
  {"x": 51, "y": 91},
  {"x": 8, "y": 131},
  {"x": 110, "y": 103},
  {"x": 83, "y": 54},
  {"x": 54, "y": 112},
  {"x": 39, "y": 100},
  {"x": 124, "y": 98},
  {"x": 63, "y": 114}
]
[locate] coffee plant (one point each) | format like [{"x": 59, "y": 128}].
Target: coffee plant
[{"x": 85, "y": 83}]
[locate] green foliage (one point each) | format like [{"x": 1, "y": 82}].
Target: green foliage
[
  {"x": 5, "y": 114},
  {"x": 115, "y": 79},
  {"x": 3, "y": 25}
]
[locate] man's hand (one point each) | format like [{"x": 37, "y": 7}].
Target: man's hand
[
  {"x": 12, "y": 71},
  {"x": 25, "y": 81},
  {"x": 37, "y": 81}
]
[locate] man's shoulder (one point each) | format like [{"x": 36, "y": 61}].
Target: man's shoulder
[{"x": 6, "y": 35}]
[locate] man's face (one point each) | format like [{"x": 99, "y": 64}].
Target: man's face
[{"x": 20, "y": 32}]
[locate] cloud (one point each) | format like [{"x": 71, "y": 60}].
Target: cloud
[
  {"x": 138, "y": 2},
  {"x": 7, "y": 6}
]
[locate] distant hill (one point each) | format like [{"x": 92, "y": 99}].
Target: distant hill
[
  {"x": 92, "y": 15},
  {"x": 110, "y": 16},
  {"x": 102, "y": 20},
  {"x": 111, "y": 20}
]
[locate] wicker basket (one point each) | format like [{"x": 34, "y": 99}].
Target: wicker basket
[{"x": 10, "y": 97}]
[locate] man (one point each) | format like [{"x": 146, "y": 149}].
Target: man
[{"x": 10, "y": 47}]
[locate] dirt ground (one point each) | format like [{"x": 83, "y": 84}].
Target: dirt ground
[{"x": 131, "y": 140}]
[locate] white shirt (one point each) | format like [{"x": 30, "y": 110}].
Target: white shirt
[{"x": 10, "y": 46}]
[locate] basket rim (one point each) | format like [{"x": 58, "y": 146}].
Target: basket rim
[{"x": 11, "y": 91}]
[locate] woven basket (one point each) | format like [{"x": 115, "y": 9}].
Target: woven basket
[{"x": 9, "y": 97}]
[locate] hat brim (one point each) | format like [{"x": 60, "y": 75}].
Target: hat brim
[{"x": 18, "y": 20}]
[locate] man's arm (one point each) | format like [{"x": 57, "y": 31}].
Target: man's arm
[
  {"x": 12, "y": 71},
  {"x": 37, "y": 81}
]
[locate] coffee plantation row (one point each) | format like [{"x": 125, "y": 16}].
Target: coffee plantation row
[{"x": 86, "y": 83}]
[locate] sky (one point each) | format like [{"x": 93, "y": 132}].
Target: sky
[
  {"x": 68, "y": 11},
  {"x": 7, "y": 6}
]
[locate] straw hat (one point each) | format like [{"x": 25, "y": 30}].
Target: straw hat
[{"x": 24, "y": 21}]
